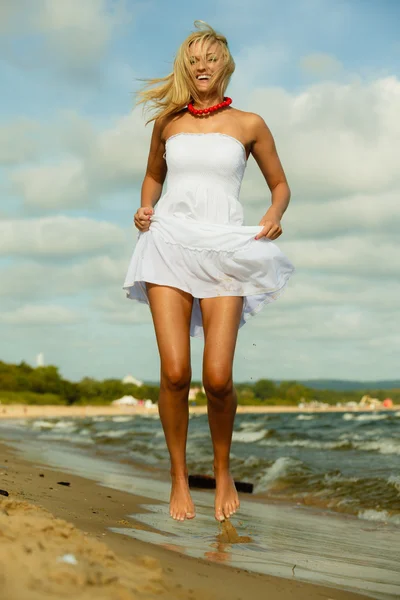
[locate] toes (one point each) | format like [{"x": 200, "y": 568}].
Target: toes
[
  {"x": 190, "y": 515},
  {"x": 219, "y": 515}
]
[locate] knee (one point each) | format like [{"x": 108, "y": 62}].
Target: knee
[
  {"x": 218, "y": 384},
  {"x": 176, "y": 377}
]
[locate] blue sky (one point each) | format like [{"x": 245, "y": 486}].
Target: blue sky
[{"x": 325, "y": 77}]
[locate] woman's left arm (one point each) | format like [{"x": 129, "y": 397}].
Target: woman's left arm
[{"x": 264, "y": 151}]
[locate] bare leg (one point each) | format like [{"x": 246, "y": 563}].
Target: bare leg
[
  {"x": 221, "y": 317},
  {"x": 171, "y": 312}
]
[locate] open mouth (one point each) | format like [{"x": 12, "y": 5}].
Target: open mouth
[{"x": 203, "y": 77}]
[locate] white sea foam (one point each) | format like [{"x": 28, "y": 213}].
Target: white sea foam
[
  {"x": 113, "y": 433},
  {"x": 304, "y": 444},
  {"x": 395, "y": 480},
  {"x": 122, "y": 419},
  {"x": 365, "y": 417},
  {"x": 305, "y": 417},
  {"x": 338, "y": 478},
  {"x": 397, "y": 414},
  {"x": 40, "y": 424},
  {"x": 65, "y": 425},
  {"x": 247, "y": 437},
  {"x": 278, "y": 469},
  {"x": 61, "y": 437},
  {"x": 379, "y": 516},
  {"x": 383, "y": 446},
  {"x": 348, "y": 417},
  {"x": 251, "y": 425},
  {"x": 371, "y": 417},
  {"x": 251, "y": 461}
]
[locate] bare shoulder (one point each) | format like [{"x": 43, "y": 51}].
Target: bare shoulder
[
  {"x": 257, "y": 126},
  {"x": 254, "y": 125},
  {"x": 165, "y": 125}
]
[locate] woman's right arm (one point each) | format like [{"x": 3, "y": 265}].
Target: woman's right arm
[{"x": 153, "y": 180}]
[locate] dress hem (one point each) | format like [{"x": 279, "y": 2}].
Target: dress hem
[{"x": 269, "y": 291}]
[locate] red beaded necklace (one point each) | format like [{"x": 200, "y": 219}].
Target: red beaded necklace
[{"x": 205, "y": 111}]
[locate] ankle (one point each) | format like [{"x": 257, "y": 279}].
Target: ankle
[
  {"x": 179, "y": 474},
  {"x": 221, "y": 468}
]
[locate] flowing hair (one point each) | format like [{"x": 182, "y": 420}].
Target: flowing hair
[{"x": 169, "y": 95}]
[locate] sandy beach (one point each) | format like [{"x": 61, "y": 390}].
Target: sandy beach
[
  {"x": 56, "y": 542},
  {"x": 21, "y": 411}
]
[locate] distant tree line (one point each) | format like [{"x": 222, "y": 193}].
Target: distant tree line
[{"x": 44, "y": 385}]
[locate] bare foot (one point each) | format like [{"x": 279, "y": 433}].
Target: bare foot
[
  {"x": 181, "y": 505},
  {"x": 226, "y": 496}
]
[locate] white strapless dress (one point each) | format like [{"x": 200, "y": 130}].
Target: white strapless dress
[{"x": 197, "y": 241}]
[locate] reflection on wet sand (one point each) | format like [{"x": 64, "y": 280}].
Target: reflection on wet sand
[{"x": 229, "y": 535}]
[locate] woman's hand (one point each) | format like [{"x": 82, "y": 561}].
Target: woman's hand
[
  {"x": 271, "y": 223},
  {"x": 142, "y": 218}
]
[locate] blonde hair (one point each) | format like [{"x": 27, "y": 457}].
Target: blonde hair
[{"x": 169, "y": 95}]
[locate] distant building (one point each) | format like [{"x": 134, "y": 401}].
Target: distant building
[
  {"x": 40, "y": 359},
  {"x": 131, "y": 379},
  {"x": 125, "y": 401}
]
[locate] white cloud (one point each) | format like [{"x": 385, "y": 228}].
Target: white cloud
[
  {"x": 372, "y": 258},
  {"x": 41, "y": 280},
  {"x": 62, "y": 185},
  {"x": 18, "y": 142},
  {"x": 320, "y": 65},
  {"x": 111, "y": 159},
  {"x": 58, "y": 237},
  {"x": 40, "y": 315},
  {"x": 360, "y": 214},
  {"x": 332, "y": 290},
  {"x": 120, "y": 152},
  {"x": 116, "y": 309},
  {"x": 75, "y": 35},
  {"x": 334, "y": 139}
]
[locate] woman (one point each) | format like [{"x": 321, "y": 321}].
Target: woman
[{"x": 195, "y": 264}]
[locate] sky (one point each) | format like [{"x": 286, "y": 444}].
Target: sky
[{"x": 73, "y": 148}]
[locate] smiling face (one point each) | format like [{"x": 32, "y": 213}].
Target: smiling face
[{"x": 206, "y": 61}]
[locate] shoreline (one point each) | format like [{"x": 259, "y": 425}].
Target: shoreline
[
  {"x": 29, "y": 411},
  {"x": 94, "y": 510}
]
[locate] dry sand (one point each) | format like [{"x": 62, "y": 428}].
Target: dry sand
[
  {"x": 33, "y": 541},
  {"x": 21, "y": 411}
]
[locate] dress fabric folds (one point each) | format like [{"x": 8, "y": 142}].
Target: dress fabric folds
[{"x": 197, "y": 241}]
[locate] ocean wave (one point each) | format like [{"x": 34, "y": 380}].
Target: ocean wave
[
  {"x": 113, "y": 433},
  {"x": 394, "y": 480},
  {"x": 371, "y": 514},
  {"x": 251, "y": 461},
  {"x": 40, "y": 424},
  {"x": 123, "y": 419},
  {"x": 381, "y": 446},
  {"x": 334, "y": 478},
  {"x": 55, "y": 425},
  {"x": 364, "y": 417},
  {"x": 279, "y": 469},
  {"x": 315, "y": 444},
  {"x": 248, "y": 437},
  {"x": 305, "y": 417},
  {"x": 252, "y": 425},
  {"x": 62, "y": 437}
]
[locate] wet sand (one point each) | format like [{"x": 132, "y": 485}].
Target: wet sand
[
  {"x": 20, "y": 411},
  {"x": 113, "y": 564}
]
